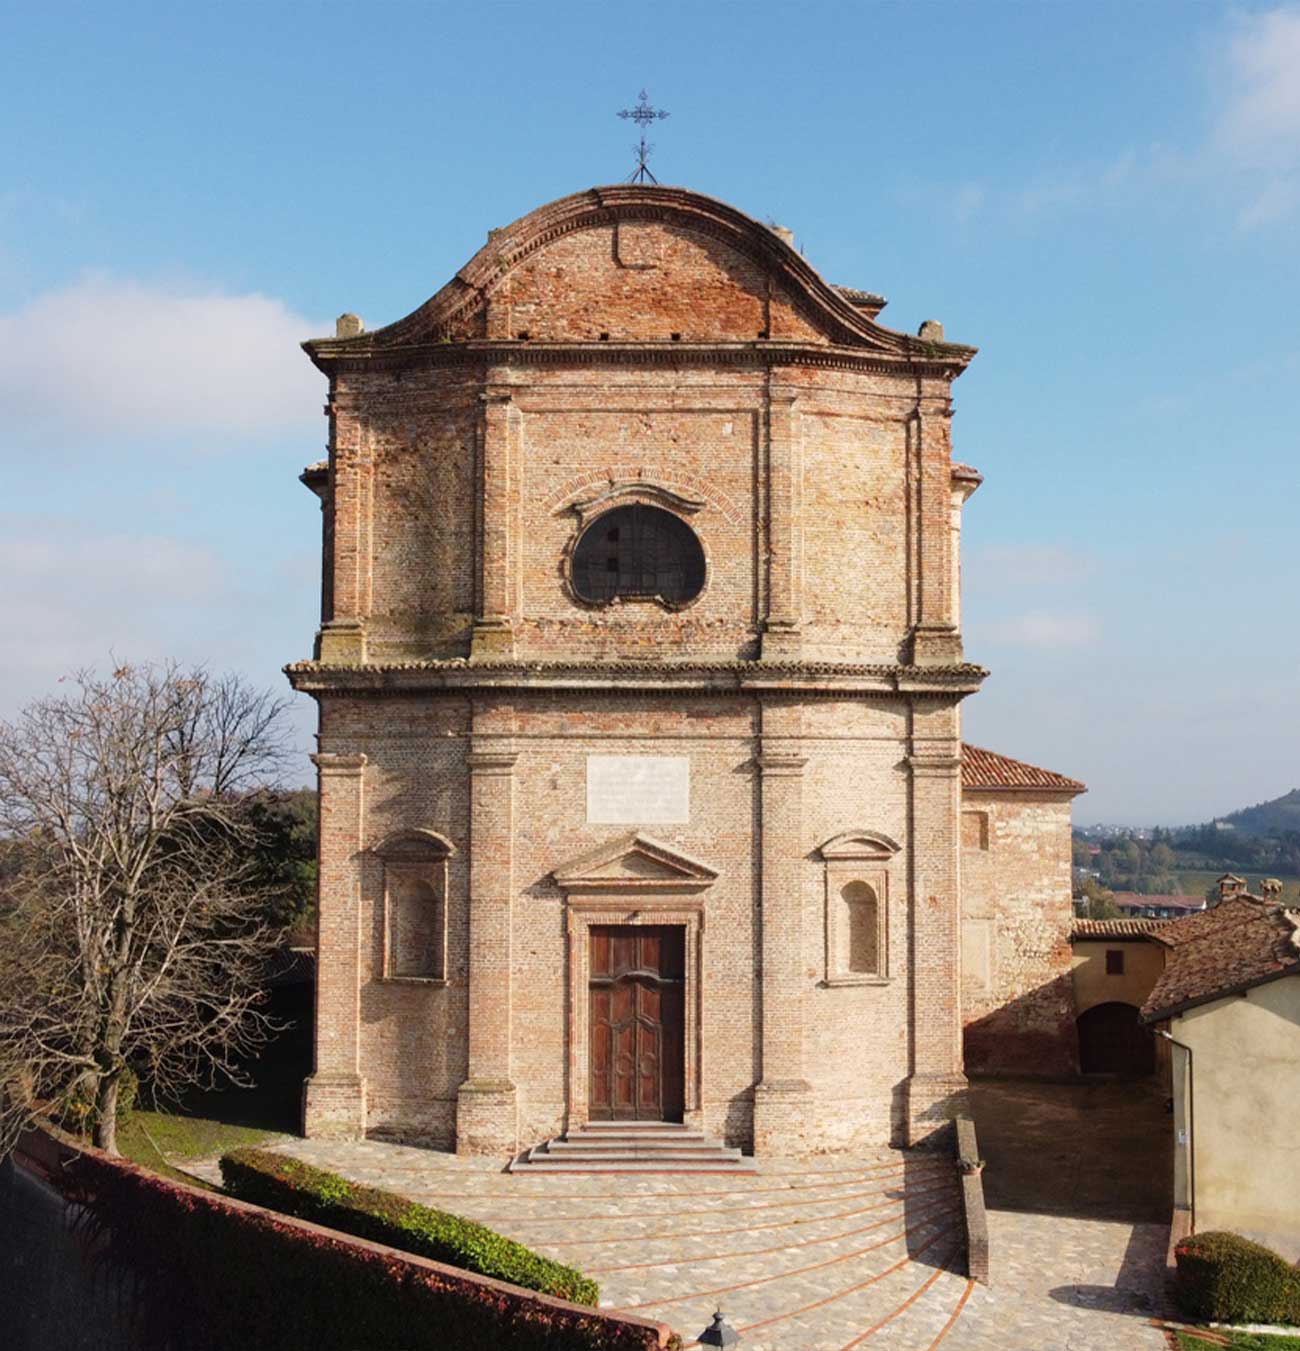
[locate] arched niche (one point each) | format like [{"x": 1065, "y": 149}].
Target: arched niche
[
  {"x": 415, "y": 905},
  {"x": 857, "y": 866}
]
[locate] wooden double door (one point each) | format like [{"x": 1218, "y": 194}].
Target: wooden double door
[{"x": 637, "y": 1013}]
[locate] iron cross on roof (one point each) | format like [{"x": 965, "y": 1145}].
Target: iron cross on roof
[{"x": 643, "y": 114}]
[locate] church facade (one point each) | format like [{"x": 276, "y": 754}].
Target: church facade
[{"x": 639, "y": 674}]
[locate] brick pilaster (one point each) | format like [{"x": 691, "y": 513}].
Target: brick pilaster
[
  {"x": 782, "y": 638},
  {"x": 935, "y": 636},
  {"x": 936, "y": 1085},
  {"x": 343, "y": 630},
  {"x": 782, "y": 1095},
  {"x": 487, "y": 1113},
  {"x": 499, "y": 432},
  {"x": 334, "y": 1100}
]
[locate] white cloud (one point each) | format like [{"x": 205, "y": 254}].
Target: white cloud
[
  {"x": 77, "y": 596},
  {"x": 1260, "y": 118},
  {"x": 71, "y": 594},
  {"x": 110, "y": 359},
  {"x": 1248, "y": 161},
  {"x": 1275, "y": 202},
  {"x": 1044, "y": 629},
  {"x": 1003, "y": 565}
]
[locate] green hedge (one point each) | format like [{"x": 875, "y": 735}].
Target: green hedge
[
  {"x": 1224, "y": 1278},
  {"x": 203, "y": 1273},
  {"x": 294, "y": 1188}
]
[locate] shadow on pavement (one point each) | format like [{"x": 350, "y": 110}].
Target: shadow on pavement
[{"x": 1097, "y": 1149}]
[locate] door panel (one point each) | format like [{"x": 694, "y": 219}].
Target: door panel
[{"x": 637, "y": 1012}]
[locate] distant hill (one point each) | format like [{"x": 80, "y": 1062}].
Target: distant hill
[{"x": 1268, "y": 818}]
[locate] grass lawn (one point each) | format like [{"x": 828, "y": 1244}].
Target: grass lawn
[
  {"x": 151, "y": 1138},
  {"x": 1237, "y": 1341},
  {"x": 215, "y": 1121}
]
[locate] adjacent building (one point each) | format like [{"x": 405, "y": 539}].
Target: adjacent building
[{"x": 1228, "y": 998}]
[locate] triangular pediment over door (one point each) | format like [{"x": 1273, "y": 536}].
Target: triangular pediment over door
[{"x": 634, "y": 863}]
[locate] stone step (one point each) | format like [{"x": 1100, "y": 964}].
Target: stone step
[
  {"x": 637, "y": 1138},
  {"x": 635, "y": 1126},
  {"x": 612, "y": 1155},
  {"x": 561, "y": 1149},
  {"x": 543, "y": 1163},
  {"x": 652, "y": 1146}
]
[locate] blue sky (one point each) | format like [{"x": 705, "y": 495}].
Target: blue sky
[{"x": 1105, "y": 198}]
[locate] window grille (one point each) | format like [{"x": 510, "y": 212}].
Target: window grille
[{"x": 638, "y": 553}]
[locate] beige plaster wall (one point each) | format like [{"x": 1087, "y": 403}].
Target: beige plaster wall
[
  {"x": 1246, "y": 1056},
  {"x": 1143, "y": 963}
]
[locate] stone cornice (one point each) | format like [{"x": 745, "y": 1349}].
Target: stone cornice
[
  {"x": 752, "y": 677},
  {"x": 759, "y": 354}
]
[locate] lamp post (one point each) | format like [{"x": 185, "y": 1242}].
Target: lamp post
[{"x": 719, "y": 1333}]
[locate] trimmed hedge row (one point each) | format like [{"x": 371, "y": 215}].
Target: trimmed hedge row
[
  {"x": 1224, "y": 1278},
  {"x": 205, "y": 1273},
  {"x": 294, "y": 1188}
]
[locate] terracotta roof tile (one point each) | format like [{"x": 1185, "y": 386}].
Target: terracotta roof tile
[
  {"x": 1242, "y": 942},
  {"x": 1117, "y": 928},
  {"x": 966, "y": 471},
  {"x": 987, "y": 769}
]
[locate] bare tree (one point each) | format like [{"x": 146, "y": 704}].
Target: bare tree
[{"x": 133, "y": 918}]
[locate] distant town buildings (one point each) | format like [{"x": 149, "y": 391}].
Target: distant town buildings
[{"x": 1134, "y": 906}]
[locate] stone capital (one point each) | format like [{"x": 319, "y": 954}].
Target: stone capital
[
  {"x": 340, "y": 765},
  {"x": 934, "y": 766},
  {"x": 780, "y": 764},
  {"x": 342, "y": 641},
  {"x": 492, "y": 639},
  {"x": 500, "y": 763}
]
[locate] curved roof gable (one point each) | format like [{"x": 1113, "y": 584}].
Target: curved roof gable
[{"x": 450, "y": 315}]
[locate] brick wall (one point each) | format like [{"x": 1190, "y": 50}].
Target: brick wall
[
  {"x": 1017, "y": 1000},
  {"x": 639, "y": 345}
]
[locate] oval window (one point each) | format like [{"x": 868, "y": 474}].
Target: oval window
[{"x": 638, "y": 553}]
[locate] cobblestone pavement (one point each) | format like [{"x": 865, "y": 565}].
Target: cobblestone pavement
[{"x": 824, "y": 1254}]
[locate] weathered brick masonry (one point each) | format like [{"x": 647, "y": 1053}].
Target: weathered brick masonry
[
  {"x": 790, "y": 794},
  {"x": 1017, "y": 1000}
]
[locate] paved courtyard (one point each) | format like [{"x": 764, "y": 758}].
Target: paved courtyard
[{"x": 821, "y": 1255}]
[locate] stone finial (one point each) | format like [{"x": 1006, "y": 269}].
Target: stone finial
[
  {"x": 781, "y": 232},
  {"x": 496, "y": 232},
  {"x": 348, "y": 326},
  {"x": 930, "y": 331}
]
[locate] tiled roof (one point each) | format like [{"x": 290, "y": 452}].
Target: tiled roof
[
  {"x": 1117, "y": 928},
  {"x": 987, "y": 769},
  {"x": 967, "y": 472},
  {"x": 1242, "y": 942},
  {"x": 1171, "y": 902}
]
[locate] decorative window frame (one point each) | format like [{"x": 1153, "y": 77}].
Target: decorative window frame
[
  {"x": 415, "y": 856},
  {"x": 856, "y": 856},
  {"x": 626, "y": 493}
]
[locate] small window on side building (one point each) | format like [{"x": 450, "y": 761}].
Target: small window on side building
[{"x": 1114, "y": 961}]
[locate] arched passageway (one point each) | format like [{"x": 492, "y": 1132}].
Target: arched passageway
[{"x": 1113, "y": 1041}]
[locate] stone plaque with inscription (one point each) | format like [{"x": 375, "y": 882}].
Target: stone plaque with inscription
[{"x": 636, "y": 790}]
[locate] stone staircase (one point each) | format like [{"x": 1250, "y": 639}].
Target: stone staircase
[{"x": 632, "y": 1147}]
